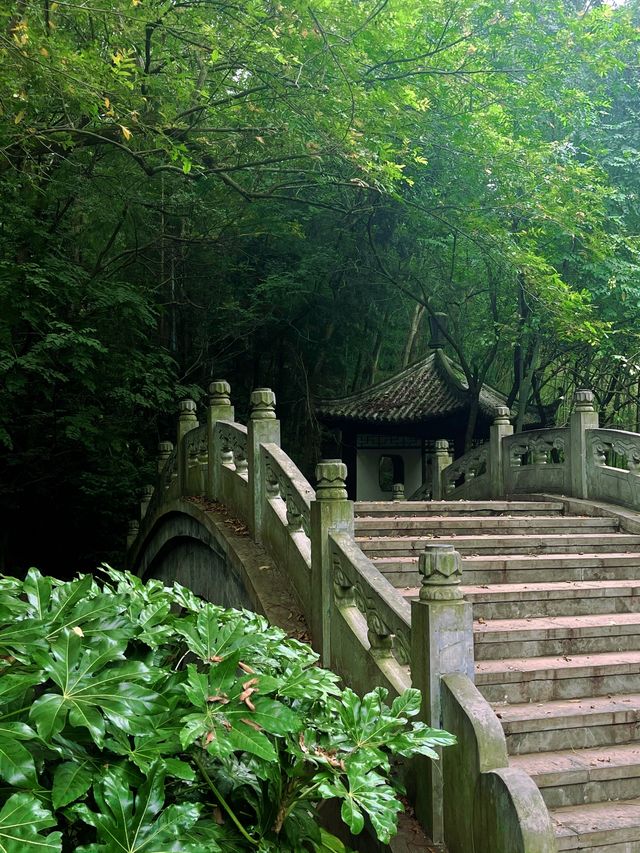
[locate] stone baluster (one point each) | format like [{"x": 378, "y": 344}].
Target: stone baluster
[
  {"x": 584, "y": 417},
  {"x": 331, "y": 512},
  {"x": 132, "y": 532},
  {"x": 398, "y": 492},
  {"x": 441, "y": 644},
  {"x": 164, "y": 452},
  {"x": 240, "y": 459},
  {"x": 147, "y": 494},
  {"x": 219, "y": 408},
  {"x": 441, "y": 460},
  {"x": 540, "y": 454},
  {"x": 263, "y": 428},
  {"x": 497, "y": 461},
  {"x": 187, "y": 421}
]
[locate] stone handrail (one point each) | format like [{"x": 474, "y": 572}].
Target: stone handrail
[
  {"x": 477, "y": 770},
  {"x": 537, "y": 447},
  {"x": 613, "y": 466},
  {"x": 284, "y": 480},
  {"x": 357, "y": 582},
  {"x": 231, "y": 440},
  {"x": 460, "y": 479},
  {"x": 537, "y": 461}
]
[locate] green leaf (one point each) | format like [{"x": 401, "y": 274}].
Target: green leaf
[
  {"x": 70, "y": 782},
  {"x": 22, "y": 821},
  {"x": 16, "y": 764},
  {"x": 128, "y": 823},
  {"x": 94, "y": 685}
]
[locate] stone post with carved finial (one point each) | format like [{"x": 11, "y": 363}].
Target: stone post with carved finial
[
  {"x": 441, "y": 460},
  {"x": 583, "y": 418},
  {"x": 132, "y": 532},
  {"x": 187, "y": 420},
  {"x": 331, "y": 512},
  {"x": 219, "y": 408},
  {"x": 263, "y": 428},
  {"x": 145, "y": 500},
  {"x": 500, "y": 428},
  {"x": 165, "y": 448},
  {"x": 441, "y": 644}
]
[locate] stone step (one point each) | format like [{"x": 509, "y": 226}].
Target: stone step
[
  {"x": 612, "y": 827},
  {"x": 524, "y": 525},
  {"x": 572, "y": 777},
  {"x": 451, "y": 508},
  {"x": 559, "y": 598},
  {"x": 573, "y": 724},
  {"x": 543, "y": 679},
  {"x": 556, "y": 635},
  {"x": 523, "y": 569},
  {"x": 566, "y": 543},
  {"x": 553, "y": 598}
]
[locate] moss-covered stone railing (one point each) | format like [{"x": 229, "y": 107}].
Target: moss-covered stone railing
[
  {"x": 360, "y": 624},
  {"x": 580, "y": 460}
]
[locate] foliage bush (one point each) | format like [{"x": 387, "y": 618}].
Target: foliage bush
[{"x": 136, "y": 717}]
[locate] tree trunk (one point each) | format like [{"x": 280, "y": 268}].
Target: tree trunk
[
  {"x": 472, "y": 419},
  {"x": 418, "y": 313}
]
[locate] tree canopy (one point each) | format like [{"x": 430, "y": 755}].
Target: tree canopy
[{"x": 283, "y": 193}]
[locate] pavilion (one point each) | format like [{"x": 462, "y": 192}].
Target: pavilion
[{"x": 386, "y": 433}]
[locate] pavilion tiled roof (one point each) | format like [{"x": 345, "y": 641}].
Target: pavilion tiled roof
[{"x": 427, "y": 389}]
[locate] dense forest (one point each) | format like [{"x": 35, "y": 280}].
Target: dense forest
[{"x": 283, "y": 194}]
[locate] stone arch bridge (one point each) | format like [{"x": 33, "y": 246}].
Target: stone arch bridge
[{"x": 511, "y": 599}]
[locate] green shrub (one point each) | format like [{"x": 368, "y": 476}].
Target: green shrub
[{"x": 136, "y": 717}]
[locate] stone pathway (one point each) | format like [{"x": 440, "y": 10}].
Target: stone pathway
[{"x": 557, "y": 643}]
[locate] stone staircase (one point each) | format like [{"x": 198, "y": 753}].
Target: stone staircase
[{"x": 556, "y": 602}]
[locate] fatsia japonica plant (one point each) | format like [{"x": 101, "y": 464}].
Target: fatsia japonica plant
[{"x": 137, "y": 717}]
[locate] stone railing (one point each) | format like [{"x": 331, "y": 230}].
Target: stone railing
[
  {"x": 196, "y": 457},
  {"x": 360, "y": 625},
  {"x": 370, "y": 621},
  {"x": 467, "y": 475},
  {"x": 613, "y": 466},
  {"x": 286, "y": 521},
  {"x": 579, "y": 461},
  {"x": 229, "y": 467},
  {"x": 537, "y": 461}
]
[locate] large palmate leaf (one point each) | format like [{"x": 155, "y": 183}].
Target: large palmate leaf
[
  {"x": 212, "y": 639},
  {"x": 131, "y": 822},
  {"x": 232, "y": 716},
  {"x": 371, "y": 726},
  {"x": 365, "y": 792},
  {"x": 22, "y": 824},
  {"x": 95, "y": 683}
]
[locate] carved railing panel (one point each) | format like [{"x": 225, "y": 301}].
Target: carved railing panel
[
  {"x": 195, "y": 445},
  {"x": 284, "y": 480},
  {"x": 537, "y": 447},
  {"x": 469, "y": 467},
  {"x": 356, "y": 581},
  {"x": 614, "y": 448},
  {"x": 231, "y": 438}
]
